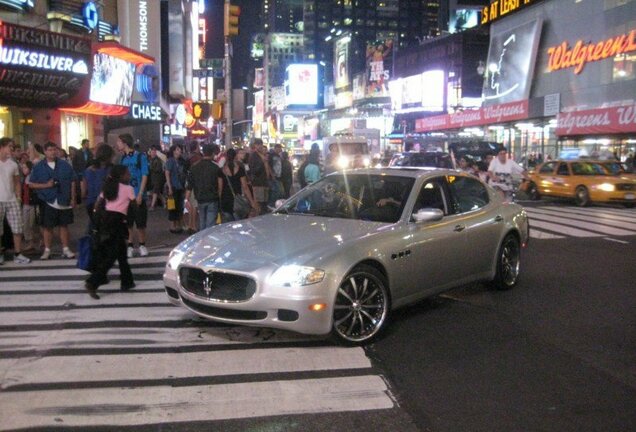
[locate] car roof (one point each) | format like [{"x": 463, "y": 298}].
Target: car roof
[{"x": 414, "y": 172}]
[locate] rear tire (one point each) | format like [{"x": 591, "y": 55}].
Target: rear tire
[
  {"x": 581, "y": 196},
  {"x": 630, "y": 205},
  {"x": 508, "y": 263},
  {"x": 362, "y": 305},
  {"x": 533, "y": 192}
]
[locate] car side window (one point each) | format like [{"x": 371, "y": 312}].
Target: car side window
[
  {"x": 563, "y": 169},
  {"x": 548, "y": 168},
  {"x": 431, "y": 196},
  {"x": 468, "y": 193}
]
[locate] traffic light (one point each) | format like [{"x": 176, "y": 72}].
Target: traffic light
[
  {"x": 231, "y": 19},
  {"x": 216, "y": 111}
]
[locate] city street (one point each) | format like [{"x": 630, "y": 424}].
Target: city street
[{"x": 555, "y": 353}]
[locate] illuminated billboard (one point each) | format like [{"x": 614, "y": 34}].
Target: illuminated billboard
[
  {"x": 511, "y": 58},
  {"x": 341, "y": 62},
  {"x": 112, "y": 80},
  {"x": 301, "y": 84}
]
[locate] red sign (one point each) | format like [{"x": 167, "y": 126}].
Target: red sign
[
  {"x": 478, "y": 117},
  {"x": 620, "y": 119},
  {"x": 563, "y": 56}
]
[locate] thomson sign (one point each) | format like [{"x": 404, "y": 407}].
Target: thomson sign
[{"x": 141, "y": 18}]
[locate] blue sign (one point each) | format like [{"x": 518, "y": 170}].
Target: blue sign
[{"x": 90, "y": 15}]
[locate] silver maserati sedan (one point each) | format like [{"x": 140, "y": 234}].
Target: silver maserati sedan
[{"x": 344, "y": 252}]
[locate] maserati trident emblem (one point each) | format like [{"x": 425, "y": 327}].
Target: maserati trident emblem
[{"x": 207, "y": 285}]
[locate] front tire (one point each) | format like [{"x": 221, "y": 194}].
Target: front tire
[
  {"x": 362, "y": 304},
  {"x": 581, "y": 196},
  {"x": 508, "y": 263}
]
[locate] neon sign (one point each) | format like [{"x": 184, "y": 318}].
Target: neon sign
[
  {"x": 146, "y": 112},
  {"x": 40, "y": 60},
  {"x": 500, "y": 8},
  {"x": 563, "y": 56}
]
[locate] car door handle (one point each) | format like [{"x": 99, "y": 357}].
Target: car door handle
[
  {"x": 459, "y": 228},
  {"x": 498, "y": 218}
]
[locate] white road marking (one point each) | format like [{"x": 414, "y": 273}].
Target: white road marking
[
  {"x": 166, "y": 404},
  {"x": 561, "y": 229},
  {"x": 587, "y": 218},
  {"x": 534, "y": 217},
  {"x": 187, "y": 365},
  {"x": 616, "y": 240},
  {"x": 542, "y": 235}
]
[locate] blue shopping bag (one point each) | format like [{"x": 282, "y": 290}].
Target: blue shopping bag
[{"x": 85, "y": 253}]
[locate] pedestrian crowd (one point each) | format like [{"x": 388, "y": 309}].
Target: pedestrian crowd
[{"x": 199, "y": 186}]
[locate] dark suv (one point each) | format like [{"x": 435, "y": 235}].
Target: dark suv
[{"x": 432, "y": 159}]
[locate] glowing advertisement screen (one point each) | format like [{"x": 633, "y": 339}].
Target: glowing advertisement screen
[
  {"x": 112, "y": 81},
  {"x": 301, "y": 86}
]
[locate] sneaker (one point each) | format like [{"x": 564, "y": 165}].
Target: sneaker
[
  {"x": 68, "y": 253},
  {"x": 21, "y": 259},
  {"x": 46, "y": 255},
  {"x": 129, "y": 252},
  {"x": 143, "y": 251}
]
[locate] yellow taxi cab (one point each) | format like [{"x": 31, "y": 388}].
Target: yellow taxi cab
[{"x": 584, "y": 181}]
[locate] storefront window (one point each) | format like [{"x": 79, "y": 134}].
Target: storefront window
[{"x": 74, "y": 130}]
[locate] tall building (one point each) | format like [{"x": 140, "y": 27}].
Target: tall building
[
  {"x": 406, "y": 21},
  {"x": 282, "y": 16}
]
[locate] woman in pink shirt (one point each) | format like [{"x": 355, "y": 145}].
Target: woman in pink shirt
[{"x": 112, "y": 231}]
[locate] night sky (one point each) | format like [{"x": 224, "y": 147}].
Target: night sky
[{"x": 248, "y": 24}]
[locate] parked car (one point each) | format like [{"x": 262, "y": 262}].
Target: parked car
[
  {"x": 346, "y": 251},
  {"x": 432, "y": 159},
  {"x": 583, "y": 180}
]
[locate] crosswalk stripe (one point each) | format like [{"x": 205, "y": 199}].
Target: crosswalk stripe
[
  {"x": 133, "y": 337},
  {"x": 562, "y": 229},
  {"x": 82, "y": 299},
  {"x": 138, "y": 406},
  {"x": 192, "y": 364},
  {"x": 588, "y": 218},
  {"x": 606, "y": 214},
  {"x": 593, "y": 227},
  {"x": 542, "y": 235},
  {"x": 153, "y": 258}
]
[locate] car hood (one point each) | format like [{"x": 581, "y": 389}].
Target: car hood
[{"x": 273, "y": 240}]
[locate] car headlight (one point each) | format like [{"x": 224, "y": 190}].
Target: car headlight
[
  {"x": 343, "y": 162},
  {"x": 295, "y": 275},
  {"x": 606, "y": 187},
  {"x": 174, "y": 259}
]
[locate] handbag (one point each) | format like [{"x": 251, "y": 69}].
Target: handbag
[
  {"x": 85, "y": 253},
  {"x": 241, "y": 206},
  {"x": 171, "y": 204}
]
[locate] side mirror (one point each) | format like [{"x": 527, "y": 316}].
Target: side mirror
[{"x": 428, "y": 214}]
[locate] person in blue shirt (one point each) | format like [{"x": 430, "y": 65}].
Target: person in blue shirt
[
  {"x": 54, "y": 180},
  {"x": 137, "y": 164}
]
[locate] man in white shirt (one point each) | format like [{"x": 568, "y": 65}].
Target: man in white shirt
[
  {"x": 502, "y": 170},
  {"x": 10, "y": 198}
]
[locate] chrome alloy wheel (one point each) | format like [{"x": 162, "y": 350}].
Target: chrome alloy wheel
[
  {"x": 362, "y": 305},
  {"x": 509, "y": 262}
]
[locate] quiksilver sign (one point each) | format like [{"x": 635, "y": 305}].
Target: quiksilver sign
[{"x": 42, "y": 69}]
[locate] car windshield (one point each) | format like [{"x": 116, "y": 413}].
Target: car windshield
[
  {"x": 372, "y": 197},
  {"x": 588, "y": 168}
]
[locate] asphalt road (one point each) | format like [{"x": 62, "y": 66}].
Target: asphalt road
[{"x": 556, "y": 353}]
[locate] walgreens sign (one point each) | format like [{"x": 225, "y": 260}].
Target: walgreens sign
[
  {"x": 603, "y": 120},
  {"x": 479, "y": 117}
]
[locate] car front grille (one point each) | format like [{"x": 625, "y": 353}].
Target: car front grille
[
  {"x": 245, "y": 315},
  {"x": 217, "y": 286},
  {"x": 625, "y": 187}
]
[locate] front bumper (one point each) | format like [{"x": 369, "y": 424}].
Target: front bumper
[{"x": 271, "y": 306}]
